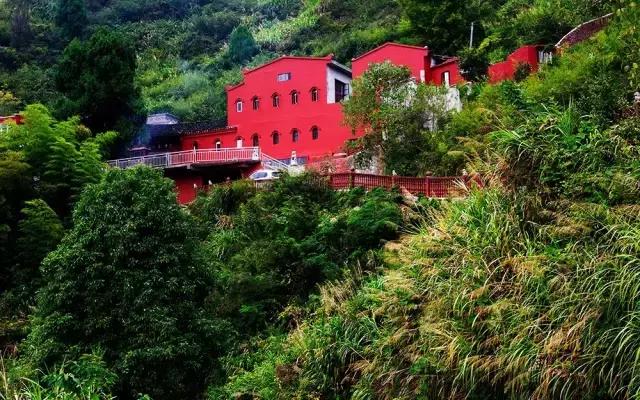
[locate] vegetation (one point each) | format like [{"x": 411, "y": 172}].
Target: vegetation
[{"x": 527, "y": 288}]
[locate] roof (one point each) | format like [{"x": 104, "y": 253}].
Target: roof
[
  {"x": 388, "y": 44},
  {"x": 184, "y": 129},
  {"x": 329, "y": 59},
  {"x": 449, "y": 60}
]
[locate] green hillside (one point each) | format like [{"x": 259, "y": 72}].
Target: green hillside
[{"x": 527, "y": 288}]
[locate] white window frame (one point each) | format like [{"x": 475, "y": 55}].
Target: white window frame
[
  {"x": 239, "y": 106},
  {"x": 284, "y": 77}
]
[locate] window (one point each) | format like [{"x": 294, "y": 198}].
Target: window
[
  {"x": 276, "y": 137},
  {"x": 295, "y": 96},
  {"x": 315, "y": 133},
  {"x": 295, "y": 135},
  {"x": 315, "y": 95},
  {"x": 342, "y": 90},
  {"x": 218, "y": 144},
  {"x": 256, "y": 103},
  {"x": 284, "y": 77},
  {"x": 239, "y": 106},
  {"x": 255, "y": 140},
  {"x": 446, "y": 78},
  {"x": 239, "y": 142},
  {"x": 276, "y": 100},
  {"x": 195, "y": 145}
]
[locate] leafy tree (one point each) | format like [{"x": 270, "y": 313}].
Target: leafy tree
[
  {"x": 71, "y": 17},
  {"x": 242, "y": 46},
  {"x": 394, "y": 114},
  {"x": 446, "y": 25},
  {"x": 97, "y": 76},
  {"x": 39, "y": 232},
  {"x": 127, "y": 279},
  {"x": 473, "y": 64}
]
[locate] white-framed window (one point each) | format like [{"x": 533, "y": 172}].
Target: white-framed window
[
  {"x": 218, "y": 144},
  {"x": 256, "y": 103},
  {"x": 295, "y": 97},
  {"x": 239, "y": 142},
  {"x": 275, "y": 100},
  {"x": 239, "y": 106},
  {"x": 446, "y": 78},
  {"x": 315, "y": 95},
  {"x": 286, "y": 76}
]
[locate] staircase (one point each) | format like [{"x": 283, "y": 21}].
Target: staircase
[{"x": 269, "y": 162}]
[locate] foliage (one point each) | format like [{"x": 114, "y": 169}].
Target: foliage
[
  {"x": 86, "y": 378},
  {"x": 97, "y": 76},
  {"x": 242, "y": 46},
  {"x": 395, "y": 115},
  {"x": 71, "y": 17},
  {"x": 127, "y": 279}
]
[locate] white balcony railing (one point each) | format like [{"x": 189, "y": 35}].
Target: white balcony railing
[{"x": 191, "y": 157}]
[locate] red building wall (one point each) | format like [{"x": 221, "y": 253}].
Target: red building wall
[
  {"x": 451, "y": 66},
  {"x": 262, "y": 83},
  {"x": 18, "y": 119},
  {"x": 416, "y": 58},
  {"x": 506, "y": 69}
]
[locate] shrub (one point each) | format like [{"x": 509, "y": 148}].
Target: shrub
[{"x": 127, "y": 279}]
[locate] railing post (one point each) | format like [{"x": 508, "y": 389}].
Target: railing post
[
  {"x": 351, "y": 179},
  {"x": 428, "y": 186}
]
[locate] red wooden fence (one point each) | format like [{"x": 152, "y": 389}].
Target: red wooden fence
[{"x": 430, "y": 186}]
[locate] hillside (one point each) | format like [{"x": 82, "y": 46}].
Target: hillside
[{"x": 526, "y": 288}]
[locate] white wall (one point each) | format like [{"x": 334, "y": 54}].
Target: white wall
[{"x": 332, "y": 75}]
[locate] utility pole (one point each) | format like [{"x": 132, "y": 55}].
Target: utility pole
[{"x": 471, "y": 40}]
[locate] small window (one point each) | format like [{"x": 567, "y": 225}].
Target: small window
[
  {"x": 276, "y": 100},
  {"x": 295, "y": 136},
  {"x": 276, "y": 137},
  {"x": 446, "y": 78},
  {"x": 239, "y": 142},
  {"x": 284, "y": 77},
  {"x": 256, "y": 103},
  {"x": 315, "y": 95},
  {"x": 218, "y": 144},
  {"x": 342, "y": 90},
  {"x": 195, "y": 145},
  {"x": 295, "y": 96},
  {"x": 239, "y": 106},
  {"x": 255, "y": 140},
  {"x": 315, "y": 133}
]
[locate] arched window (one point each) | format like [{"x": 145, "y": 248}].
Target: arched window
[
  {"x": 239, "y": 142},
  {"x": 218, "y": 144},
  {"x": 256, "y": 103},
  {"x": 276, "y": 137},
  {"x": 195, "y": 145},
  {"x": 239, "y": 106},
  {"x": 315, "y": 133},
  {"x": 295, "y": 135},
  {"x": 255, "y": 140},
  {"x": 295, "y": 97},
  {"x": 276, "y": 100},
  {"x": 315, "y": 95}
]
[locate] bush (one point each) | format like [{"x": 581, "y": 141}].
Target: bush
[{"x": 127, "y": 279}]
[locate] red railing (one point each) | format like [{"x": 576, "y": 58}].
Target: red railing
[
  {"x": 430, "y": 186},
  {"x": 189, "y": 157}
]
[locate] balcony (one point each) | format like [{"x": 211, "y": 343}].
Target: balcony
[{"x": 181, "y": 159}]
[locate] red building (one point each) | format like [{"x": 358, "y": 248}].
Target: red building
[
  {"x": 424, "y": 66},
  {"x": 287, "y": 111},
  {"x": 530, "y": 57},
  {"x": 15, "y": 118}
]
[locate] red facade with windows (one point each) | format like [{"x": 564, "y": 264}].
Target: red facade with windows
[
  {"x": 424, "y": 66},
  {"x": 290, "y": 106}
]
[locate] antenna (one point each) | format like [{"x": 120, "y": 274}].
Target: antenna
[{"x": 471, "y": 40}]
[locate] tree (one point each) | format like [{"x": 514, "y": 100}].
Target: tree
[
  {"x": 71, "y": 18},
  {"x": 395, "y": 115},
  {"x": 97, "y": 76},
  {"x": 127, "y": 279},
  {"x": 446, "y": 25},
  {"x": 242, "y": 46},
  {"x": 39, "y": 232}
]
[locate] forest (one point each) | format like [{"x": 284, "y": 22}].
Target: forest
[{"x": 527, "y": 288}]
